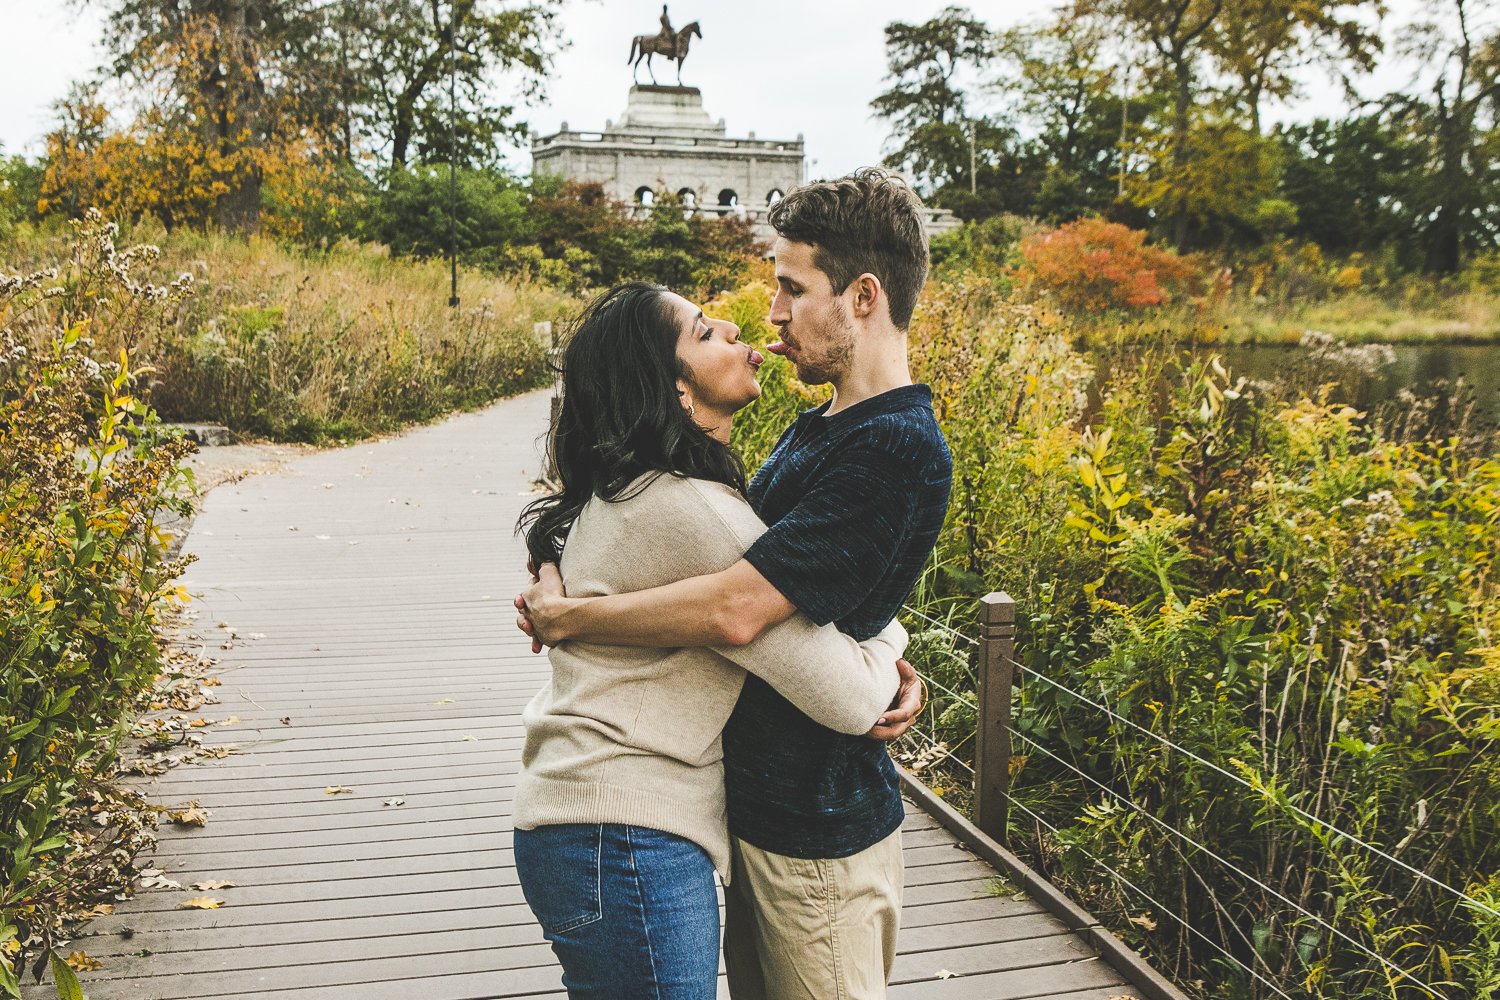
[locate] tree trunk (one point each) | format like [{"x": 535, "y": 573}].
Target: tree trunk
[
  {"x": 233, "y": 114},
  {"x": 1180, "y": 128},
  {"x": 1445, "y": 234}
]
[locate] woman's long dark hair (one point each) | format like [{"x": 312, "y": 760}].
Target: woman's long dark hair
[{"x": 621, "y": 416}]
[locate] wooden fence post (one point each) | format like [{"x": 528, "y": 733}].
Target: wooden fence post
[{"x": 997, "y": 647}]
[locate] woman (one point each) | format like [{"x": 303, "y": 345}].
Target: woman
[{"x": 619, "y": 810}]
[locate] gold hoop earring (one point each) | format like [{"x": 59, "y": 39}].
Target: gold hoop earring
[{"x": 691, "y": 411}]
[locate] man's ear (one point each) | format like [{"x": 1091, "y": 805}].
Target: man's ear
[{"x": 867, "y": 295}]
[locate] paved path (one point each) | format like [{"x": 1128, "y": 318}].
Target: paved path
[{"x": 368, "y": 592}]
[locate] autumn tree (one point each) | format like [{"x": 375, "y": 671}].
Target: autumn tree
[
  {"x": 1454, "y": 108},
  {"x": 401, "y": 53},
  {"x": 1175, "y": 36},
  {"x": 1263, "y": 44},
  {"x": 1062, "y": 80},
  {"x": 273, "y": 104},
  {"x": 935, "y": 136}
]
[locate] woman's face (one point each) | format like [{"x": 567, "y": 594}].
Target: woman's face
[{"x": 721, "y": 370}]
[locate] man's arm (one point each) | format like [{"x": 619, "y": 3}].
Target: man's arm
[{"x": 729, "y": 608}]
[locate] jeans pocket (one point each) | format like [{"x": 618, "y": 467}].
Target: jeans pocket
[{"x": 558, "y": 867}]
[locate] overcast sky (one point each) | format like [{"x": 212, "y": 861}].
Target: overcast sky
[{"x": 773, "y": 67}]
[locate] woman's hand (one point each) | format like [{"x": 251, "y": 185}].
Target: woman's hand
[
  {"x": 897, "y": 719},
  {"x": 541, "y": 605}
]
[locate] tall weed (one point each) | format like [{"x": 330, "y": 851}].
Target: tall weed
[{"x": 88, "y": 478}]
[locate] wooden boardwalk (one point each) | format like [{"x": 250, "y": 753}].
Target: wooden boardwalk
[{"x": 368, "y": 590}]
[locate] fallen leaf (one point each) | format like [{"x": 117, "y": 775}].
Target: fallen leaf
[
  {"x": 189, "y": 815},
  {"x": 286, "y": 720},
  {"x": 470, "y": 737},
  {"x": 201, "y": 903},
  {"x": 1144, "y": 921},
  {"x": 230, "y": 721},
  {"x": 338, "y": 790},
  {"x": 80, "y": 962},
  {"x": 444, "y": 701},
  {"x": 159, "y": 881},
  {"x": 212, "y": 884},
  {"x": 394, "y": 802},
  {"x": 199, "y": 723},
  {"x": 945, "y": 974}
]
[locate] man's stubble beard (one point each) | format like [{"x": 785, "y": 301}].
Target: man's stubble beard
[{"x": 835, "y": 362}]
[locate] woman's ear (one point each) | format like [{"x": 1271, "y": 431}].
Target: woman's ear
[{"x": 685, "y": 396}]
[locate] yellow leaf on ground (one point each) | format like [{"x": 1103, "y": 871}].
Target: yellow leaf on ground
[
  {"x": 213, "y": 884},
  {"x": 80, "y": 962},
  {"x": 201, "y": 903},
  {"x": 338, "y": 790},
  {"x": 1144, "y": 921},
  {"x": 190, "y": 815}
]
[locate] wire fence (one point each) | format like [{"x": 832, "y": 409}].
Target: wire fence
[{"x": 934, "y": 747}]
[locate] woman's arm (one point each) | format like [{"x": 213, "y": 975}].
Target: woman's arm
[{"x": 842, "y": 684}]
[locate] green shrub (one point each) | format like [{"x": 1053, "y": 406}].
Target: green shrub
[{"x": 88, "y": 478}]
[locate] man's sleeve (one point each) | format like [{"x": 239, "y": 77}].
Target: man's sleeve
[{"x": 828, "y": 553}]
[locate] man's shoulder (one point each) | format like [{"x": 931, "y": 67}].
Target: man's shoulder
[{"x": 910, "y": 436}]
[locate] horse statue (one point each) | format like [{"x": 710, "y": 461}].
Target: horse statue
[{"x": 674, "y": 46}]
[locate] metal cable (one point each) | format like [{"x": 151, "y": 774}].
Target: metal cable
[
  {"x": 937, "y": 624},
  {"x": 1342, "y": 834},
  {"x": 1155, "y": 902},
  {"x": 945, "y": 751},
  {"x": 1232, "y": 867}
]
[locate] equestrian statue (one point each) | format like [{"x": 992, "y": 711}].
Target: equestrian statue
[{"x": 666, "y": 42}]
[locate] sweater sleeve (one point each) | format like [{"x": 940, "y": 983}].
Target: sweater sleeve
[{"x": 836, "y": 681}]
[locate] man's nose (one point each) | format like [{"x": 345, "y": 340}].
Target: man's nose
[{"x": 779, "y": 312}]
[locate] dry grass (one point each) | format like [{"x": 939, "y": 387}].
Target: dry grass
[{"x": 300, "y": 345}]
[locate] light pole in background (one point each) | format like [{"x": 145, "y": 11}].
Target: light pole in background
[{"x": 453, "y": 154}]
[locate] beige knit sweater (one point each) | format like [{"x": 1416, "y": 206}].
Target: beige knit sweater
[{"x": 631, "y": 735}]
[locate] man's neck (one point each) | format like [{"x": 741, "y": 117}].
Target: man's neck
[{"x": 879, "y": 369}]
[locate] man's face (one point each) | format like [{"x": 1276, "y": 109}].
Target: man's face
[{"x": 816, "y": 332}]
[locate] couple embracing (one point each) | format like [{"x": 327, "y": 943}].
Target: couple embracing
[{"x": 725, "y": 657}]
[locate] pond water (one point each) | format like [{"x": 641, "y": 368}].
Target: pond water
[{"x": 1370, "y": 375}]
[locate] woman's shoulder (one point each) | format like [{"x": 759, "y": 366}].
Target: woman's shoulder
[{"x": 683, "y": 503}]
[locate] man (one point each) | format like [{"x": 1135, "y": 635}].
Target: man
[
  {"x": 667, "y": 33},
  {"x": 854, "y": 495}
]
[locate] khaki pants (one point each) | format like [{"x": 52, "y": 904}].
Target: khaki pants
[{"x": 825, "y": 929}]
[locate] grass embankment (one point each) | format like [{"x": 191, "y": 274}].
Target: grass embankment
[
  {"x": 1457, "y": 317},
  {"x": 314, "y": 345}
]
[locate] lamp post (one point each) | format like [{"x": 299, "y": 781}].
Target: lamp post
[{"x": 453, "y": 155}]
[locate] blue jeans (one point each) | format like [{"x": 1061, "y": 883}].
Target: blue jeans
[{"x": 631, "y": 912}]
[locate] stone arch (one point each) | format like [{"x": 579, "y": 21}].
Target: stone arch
[
  {"x": 774, "y": 195},
  {"x": 688, "y": 197},
  {"x": 728, "y": 199},
  {"x": 645, "y": 196}
]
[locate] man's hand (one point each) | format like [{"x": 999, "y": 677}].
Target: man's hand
[
  {"x": 539, "y": 605},
  {"x": 897, "y": 719}
]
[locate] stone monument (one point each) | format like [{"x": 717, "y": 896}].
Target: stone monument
[{"x": 665, "y": 142}]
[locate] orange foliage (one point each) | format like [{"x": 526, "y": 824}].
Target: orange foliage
[
  {"x": 1092, "y": 265},
  {"x": 191, "y": 148}
]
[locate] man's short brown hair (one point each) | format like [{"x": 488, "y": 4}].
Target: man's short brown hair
[{"x": 868, "y": 222}]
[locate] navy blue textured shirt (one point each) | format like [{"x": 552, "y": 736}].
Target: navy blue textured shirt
[{"x": 853, "y": 503}]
